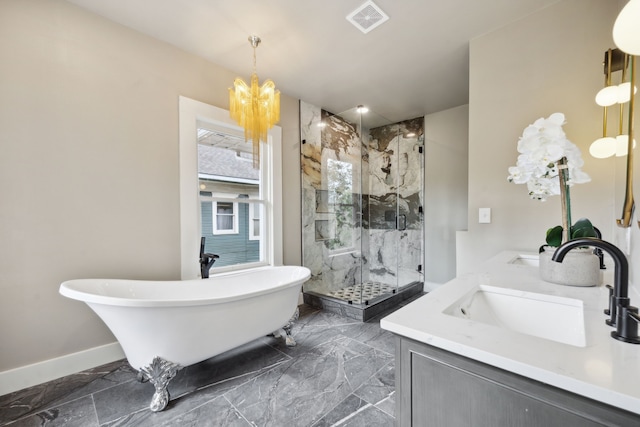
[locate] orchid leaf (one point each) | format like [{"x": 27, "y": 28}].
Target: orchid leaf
[
  {"x": 583, "y": 228},
  {"x": 582, "y": 222},
  {"x": 554, "y": 236},
  {"x": 583, "y": 232}
]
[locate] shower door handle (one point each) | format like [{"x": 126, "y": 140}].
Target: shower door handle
[{"x": 401, "y": 222}]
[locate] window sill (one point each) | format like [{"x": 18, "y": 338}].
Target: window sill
[{"x": 237, "y": 268}]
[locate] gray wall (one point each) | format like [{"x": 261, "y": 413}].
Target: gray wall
[
  {"x": 89, "y": 167},
  {"x": 550, "y": 61},
  {"x": 446, "y": 161}
]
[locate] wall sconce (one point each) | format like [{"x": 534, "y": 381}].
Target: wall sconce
[
  {"x": 626, "y": 35},
  {"x": 626, "y": 30},
  {"x": 615, "y": 60}
]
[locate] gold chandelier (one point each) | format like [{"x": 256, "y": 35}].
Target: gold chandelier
[{"x": 255, "y": 108}]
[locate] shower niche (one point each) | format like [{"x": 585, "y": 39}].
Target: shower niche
[{"x": 362, "y": 210}]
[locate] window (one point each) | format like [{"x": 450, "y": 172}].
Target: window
[
  {"x": 225, "y": 218},
  {"x": 236, "y": 208},
  {"x": 254, "y": 221},
  {"x": 341, "y": 205},
  {"x": 230, "y": 187}
]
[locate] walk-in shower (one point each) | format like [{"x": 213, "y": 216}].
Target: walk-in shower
[{"x": 362, "y": 209}]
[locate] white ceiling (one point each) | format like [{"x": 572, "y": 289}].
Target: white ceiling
[{"x": 414, "y": 64}]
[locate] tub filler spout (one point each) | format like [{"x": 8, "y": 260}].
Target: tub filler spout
[{"x": 206, "y": 260}]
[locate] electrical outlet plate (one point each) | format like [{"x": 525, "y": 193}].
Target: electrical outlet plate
[{"x": 484, "y": 215}]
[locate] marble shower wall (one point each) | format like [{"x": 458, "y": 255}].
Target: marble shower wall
[
  {"x": 332, "y": 257},
  {"x": 350, "y": 199}
]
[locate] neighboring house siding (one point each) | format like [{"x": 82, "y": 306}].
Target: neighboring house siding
[{"x": 232, "y": 248}]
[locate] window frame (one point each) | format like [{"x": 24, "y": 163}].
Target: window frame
[
  {"x": 191, "y": 113},
  {"x": 252, "y": 218},
  {"x": 351, "y": 247},
  {"x": 214, "y": 218}
]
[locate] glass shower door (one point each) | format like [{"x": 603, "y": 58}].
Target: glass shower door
[
  {"x": 395, "y": 226},
  {"x": 410, "y": 183},
  {"x": 361, "y": 204},
  {"x": 381, "y": 221}
]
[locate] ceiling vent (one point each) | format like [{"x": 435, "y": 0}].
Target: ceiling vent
[{"x": 367, "y": 17}]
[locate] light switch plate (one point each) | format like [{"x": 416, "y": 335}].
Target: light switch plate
[{"x": 484, "y": 216}]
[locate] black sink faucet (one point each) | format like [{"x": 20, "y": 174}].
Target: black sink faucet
[
  {"x": 206, "y": 260},
  {"x": 598, "y": 252},
  {"x": 623, "y": 316}
]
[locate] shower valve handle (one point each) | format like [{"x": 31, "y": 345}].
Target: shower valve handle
[{"x": 401, "y": 222}]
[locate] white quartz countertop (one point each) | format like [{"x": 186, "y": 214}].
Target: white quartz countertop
[{"x": 606, "y": 370}]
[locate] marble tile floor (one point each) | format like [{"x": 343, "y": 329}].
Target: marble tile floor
[{"x": 341, "y": 373}]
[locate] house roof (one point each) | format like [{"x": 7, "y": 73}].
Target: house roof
[{"x": 221, "y": 155}]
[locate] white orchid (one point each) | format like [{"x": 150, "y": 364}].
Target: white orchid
[
  {"x": 541, "y": 146},
  {"x": 545, "y": 152}
]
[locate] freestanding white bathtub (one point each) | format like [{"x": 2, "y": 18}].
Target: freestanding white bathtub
[{"x": 163, "y": 326}]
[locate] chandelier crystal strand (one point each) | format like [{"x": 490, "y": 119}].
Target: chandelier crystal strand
[{"x": 255, "y": 108}]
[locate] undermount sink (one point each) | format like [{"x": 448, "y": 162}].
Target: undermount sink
[
  {"x": 522, "y": 259},
  {"x": 546, "y": 316}
]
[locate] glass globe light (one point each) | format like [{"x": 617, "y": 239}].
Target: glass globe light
[
  {"x": 622, "y": 145},
  {"x": 602, "y": 148},
  {"x": 624, "y": 92},
  {"x": 626, "y": 30},
  {"x": 607, "y": 96}
]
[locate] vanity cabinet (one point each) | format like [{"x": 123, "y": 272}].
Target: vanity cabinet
[{"x": 436, "y": 388}]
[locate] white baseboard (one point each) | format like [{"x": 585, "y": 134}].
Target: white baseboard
[{"x": 41, "y": 372}]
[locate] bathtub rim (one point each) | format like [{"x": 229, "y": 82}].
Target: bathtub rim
[{"x": 68, "y": 290}]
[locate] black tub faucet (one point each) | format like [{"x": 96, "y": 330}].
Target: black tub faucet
[
  {"x": 623, "y": 316},
  {"x": 206, "y": 260}
]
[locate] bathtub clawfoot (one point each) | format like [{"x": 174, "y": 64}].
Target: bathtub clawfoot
[
  {"x": 285, "y": 331},
  {"x": 160, "y": 372}
]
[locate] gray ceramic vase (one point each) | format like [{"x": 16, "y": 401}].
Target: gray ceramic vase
[{"x": 581, "y": 267}]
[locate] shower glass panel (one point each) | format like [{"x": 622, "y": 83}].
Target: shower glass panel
[{"x": 362, "y": 180}]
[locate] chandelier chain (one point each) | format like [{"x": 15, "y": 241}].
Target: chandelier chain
[{"x": 254, "y": 61}]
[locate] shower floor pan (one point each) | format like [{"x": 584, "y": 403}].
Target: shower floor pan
[
  {"x": 364, "y": 292},
  {"x": 376, "y": 299}
]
